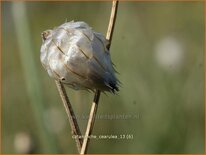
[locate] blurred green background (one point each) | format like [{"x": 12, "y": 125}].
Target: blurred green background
[{"x": 158, "y": 50}]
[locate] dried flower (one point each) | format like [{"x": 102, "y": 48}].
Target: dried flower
[{"x": 78, "y": 57}]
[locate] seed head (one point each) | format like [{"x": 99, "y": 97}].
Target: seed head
[{"x": 78, "y": 56}]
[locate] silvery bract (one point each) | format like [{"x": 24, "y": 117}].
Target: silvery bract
[{"x": 78, "y": 57}]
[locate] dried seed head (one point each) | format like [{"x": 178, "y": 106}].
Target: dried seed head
[{"x": 77, "y": 56}]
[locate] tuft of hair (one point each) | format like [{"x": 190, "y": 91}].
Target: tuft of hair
[{"x": 112, "y": 87}]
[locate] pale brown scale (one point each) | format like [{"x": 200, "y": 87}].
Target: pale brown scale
[
  {"x": 59, "y": 77},
  {"x": 83, "y": 52},
  {"x": 58, "y": 47},
  {"x": 70, "y": 70},
  {"x": 98, "y": 62},
  {"x": 86, "y": 36}
]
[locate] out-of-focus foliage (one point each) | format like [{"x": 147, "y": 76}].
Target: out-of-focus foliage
[{"x": 158, "y": 50}]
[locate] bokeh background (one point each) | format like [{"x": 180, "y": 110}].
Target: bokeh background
[{"x": 158, "y": 50}]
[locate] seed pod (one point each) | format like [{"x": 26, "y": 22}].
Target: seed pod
[{"x": 78, "y": 57}]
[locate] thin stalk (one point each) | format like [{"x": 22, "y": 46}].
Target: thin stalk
[
  {"x": 94, "y": 107},
  {"x": 90, "y": 123},
  {"x": 70, "y": 113}
]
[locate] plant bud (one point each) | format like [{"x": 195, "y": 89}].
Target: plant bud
[{"x": 78, "y": 57}]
